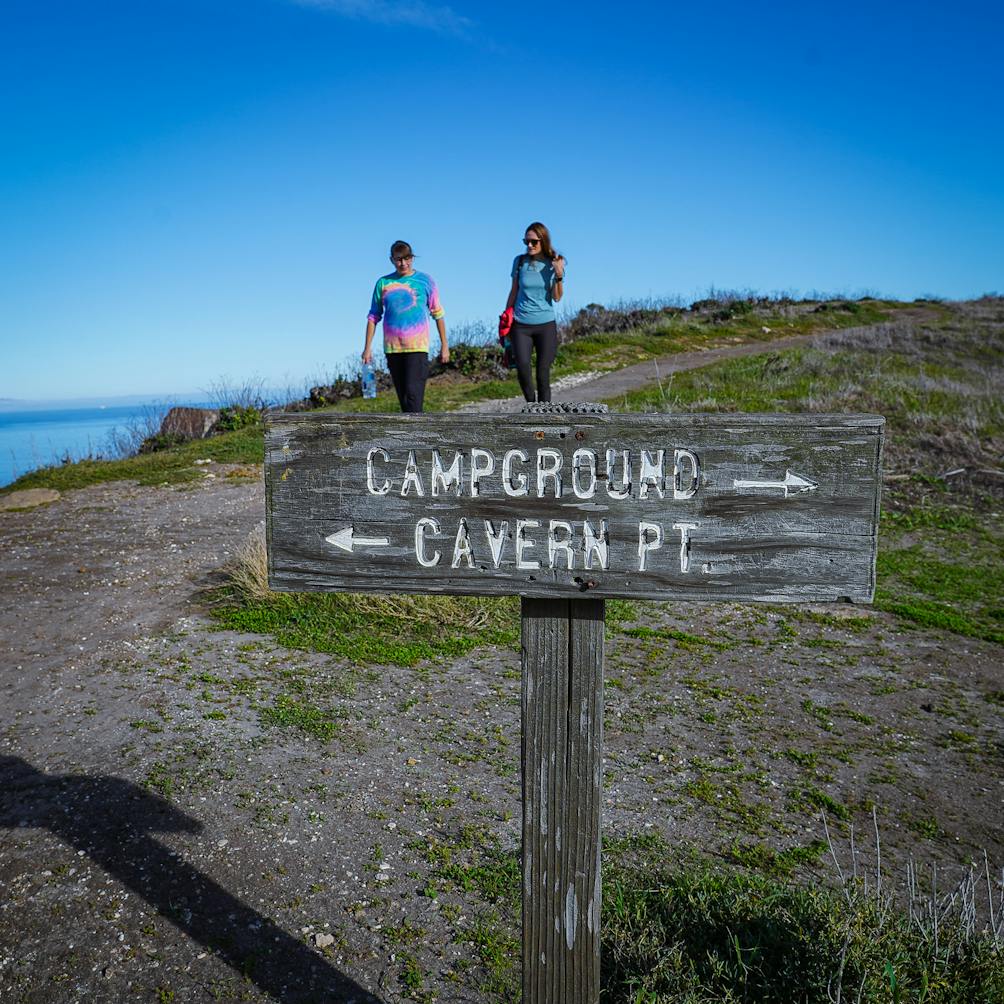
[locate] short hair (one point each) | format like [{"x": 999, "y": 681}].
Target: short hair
[{"x": 400, "y": 248}]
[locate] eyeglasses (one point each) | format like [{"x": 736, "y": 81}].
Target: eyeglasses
[
  {"x": 403, "y": 260},
  {"x": 531, "y": 240}
]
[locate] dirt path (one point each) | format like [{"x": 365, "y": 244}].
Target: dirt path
[
  {"x": 111, "y": 562},
  {"x": 601, "y": 387},
  {"x": 607, "y": 386},
  {"x": 163, "y": 839},
  {"x": 630, "y": 378}
]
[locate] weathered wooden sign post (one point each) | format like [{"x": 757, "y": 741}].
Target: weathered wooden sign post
[{"x": 566, "y": 506}]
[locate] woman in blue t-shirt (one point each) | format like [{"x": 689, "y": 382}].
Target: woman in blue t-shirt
[{"x": 537, "y": 284}]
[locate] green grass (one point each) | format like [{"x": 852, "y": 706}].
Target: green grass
[
  {"x": 683, "y": 638},
  {"x": 941, "y": 558},
  {"x": 686, "y": 332},
  {"x": 679, "y": 333},
  {"x": 811, "y": 800},
  {"x": 763, "y": 858},
  {"x": 691, "y": 931},
  {"x": 951, "y": 581},
  {"x": 400, "y": 630},
  {"x": 704, "y": 933},
  {"x": 289, "y": 713},
  {"x": 916, "y": 396},
  {"x": 172, "y": 466},
  {"x": 470, "y": 863}
]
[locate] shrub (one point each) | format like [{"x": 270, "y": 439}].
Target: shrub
[
  {"x": 476, "y": 361},
  {"x": 161, "y": 441},
  {"x": 594, "y": 319},
  {"x": 237, "y": 417},
  {"x": 250, "y": 394},
  {"x": 341, "y": 389}
]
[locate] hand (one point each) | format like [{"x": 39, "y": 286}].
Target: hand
[
  {"x": 559, "y": 268},
  {"x": 367, "y": 356},
  {"x": 444, "y": 354}
]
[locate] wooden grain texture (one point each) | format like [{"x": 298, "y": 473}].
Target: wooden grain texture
[
  {"x": 562, "y": 757},
  {"x": 727, "y": 540}
]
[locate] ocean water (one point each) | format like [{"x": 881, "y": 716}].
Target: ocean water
[{"x": 34, "y": 437}]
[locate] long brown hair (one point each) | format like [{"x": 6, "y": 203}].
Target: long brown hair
[{"x": 548, "y": 252}]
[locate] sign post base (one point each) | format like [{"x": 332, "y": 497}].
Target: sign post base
[{"x": 562, "y": 760}]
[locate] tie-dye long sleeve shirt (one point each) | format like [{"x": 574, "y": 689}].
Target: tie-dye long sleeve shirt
[{"x": 405, "y": 303}]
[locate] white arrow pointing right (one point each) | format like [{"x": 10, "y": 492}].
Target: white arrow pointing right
[{"x": 791, "y": 483}]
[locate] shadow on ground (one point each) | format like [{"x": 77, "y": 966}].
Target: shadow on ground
[{"x": 114, "y": 822}]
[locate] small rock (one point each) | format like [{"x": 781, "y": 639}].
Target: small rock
[
  {"x": 322, "y": 940},
  {"x": 28, "y": 498}
]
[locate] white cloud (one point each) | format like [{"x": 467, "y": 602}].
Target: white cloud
[{"x": 413, "y": 13}]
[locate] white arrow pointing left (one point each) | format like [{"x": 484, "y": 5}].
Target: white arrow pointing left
[{"x": 345, "y": 539}]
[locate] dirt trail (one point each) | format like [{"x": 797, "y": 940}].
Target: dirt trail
[
  {"x": 607, "y": 386},
  {"x": 600, "y": 387},
  {"x": 629, "y": 378},
  {"x": 113, "y": 561}
]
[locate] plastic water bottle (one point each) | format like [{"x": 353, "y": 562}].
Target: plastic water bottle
[{"x": 369, "y": 380}]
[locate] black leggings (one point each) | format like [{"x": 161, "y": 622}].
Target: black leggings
[
  {"x": 543, "y": 338},
  {"x": 409, "y": 370}
]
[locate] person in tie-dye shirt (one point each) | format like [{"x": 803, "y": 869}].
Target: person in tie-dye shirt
[{"x": 404, "y": 300}]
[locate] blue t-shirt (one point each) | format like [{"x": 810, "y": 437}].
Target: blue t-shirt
[{"x": 536, "y": 287}]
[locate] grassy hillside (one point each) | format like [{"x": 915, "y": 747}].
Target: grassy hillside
[{"x": 940, "y": 386}]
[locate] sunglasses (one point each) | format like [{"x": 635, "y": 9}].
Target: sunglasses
[
  {"x": 531, "y": 240},
  {"x": 401, "y": 261}
]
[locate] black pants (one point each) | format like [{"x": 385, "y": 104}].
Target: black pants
[
  {"x": 543, "y": 338},
  {"x": 409, "y": 370}
]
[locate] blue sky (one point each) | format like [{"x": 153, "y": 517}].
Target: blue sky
[{"x": 192, "y": 191}]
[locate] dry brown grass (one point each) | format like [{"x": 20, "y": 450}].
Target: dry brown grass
[
  {"x": 248, "y": 572},
  {"x": 248, "y": 575}
]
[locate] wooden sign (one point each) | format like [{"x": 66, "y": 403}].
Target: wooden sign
[
  {"x": 703, "y": 507},
  {"x": 566, "y": 509}
]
